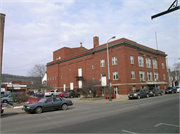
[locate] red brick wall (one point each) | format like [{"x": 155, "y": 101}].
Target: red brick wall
[{"x": 69, "y": 70}]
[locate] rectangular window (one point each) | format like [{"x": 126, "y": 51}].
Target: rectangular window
[
  {"x": 132, "y": 75},
  {"x": 134, "y": 88},
  {"x": 164, "y": 77},
  {"x": 141, "y": 76},
  {"x": 154, "y": 63},
  {"x": 92, "y": 66},
  {"x": 149, "y": 76},
  {"x": 115, "y": 75},
  {"x": 131, "y": 59},
  {"x": 102, "y": 63},
  {"x": 148, "y": 63},
  {"x": 140, "y": 61},
  {"x": 80, "y": 72},
  {"x": 114, "y": 60},
  {"x": 162, "y": 65},
  {"x": 155, "y": 76}
]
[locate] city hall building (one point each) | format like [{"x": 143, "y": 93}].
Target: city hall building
[{"x": 132, "y": 66}]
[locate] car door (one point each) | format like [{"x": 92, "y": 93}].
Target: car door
[
  {"x": 48, "y": 104},
  {"x": 141, "y": 93},
  {"x": 57, "y": 102}
]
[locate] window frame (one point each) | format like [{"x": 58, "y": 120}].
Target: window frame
[
  {"x": 143, "y": 74},
  {"x": 131, "y": 59},
  {"x": 114, "y": 60},
  {"x": 149, "y": 74},
  {"x": 132, "y": 74},
  {"x": 102, "y": 63},
  {"x": 115, "y": 75},
  {"x": 140, "y": 61},
  {"x": 148, "y": 62},
  {"x": 155, "y": 64}
]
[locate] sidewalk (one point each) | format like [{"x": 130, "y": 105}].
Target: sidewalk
[{"x": 9, "y": 110}]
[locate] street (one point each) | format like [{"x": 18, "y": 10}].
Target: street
[{"x": 158, "y": 114}]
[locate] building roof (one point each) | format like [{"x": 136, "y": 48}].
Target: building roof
[{"x": 115, "y": 43}]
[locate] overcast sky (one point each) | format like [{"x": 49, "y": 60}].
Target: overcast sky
[{"x": 36, "y": 28}]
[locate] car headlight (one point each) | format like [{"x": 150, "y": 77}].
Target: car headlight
[
  {"x": 27, "y": 107},
  {"x": 128, "y": 94},
  {"x": 135, "y": 94}
]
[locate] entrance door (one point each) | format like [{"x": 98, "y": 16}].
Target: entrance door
[{"x": 116, "y": 91}]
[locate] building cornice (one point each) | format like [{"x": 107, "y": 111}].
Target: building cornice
[{"x": 126, "y": 43}]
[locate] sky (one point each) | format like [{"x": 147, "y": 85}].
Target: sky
[{"x": 36, "y": 28}]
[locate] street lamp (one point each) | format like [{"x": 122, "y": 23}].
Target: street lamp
[
  {"x": 175, "y": 69},
  {"x": 110, "y": 99}
]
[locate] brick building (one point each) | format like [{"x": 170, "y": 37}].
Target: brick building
[{"x": 132, "y": 66}]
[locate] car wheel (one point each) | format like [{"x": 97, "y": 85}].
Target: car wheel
[
  {"x": 64, "y": 107},
  {"x": 161, "y": 94},
  {"x": 147, "y": 95},
  {"x": 4, "y": 101},
  {"x": 38, "y": 110},
  {"x": 139, "y": 97}
]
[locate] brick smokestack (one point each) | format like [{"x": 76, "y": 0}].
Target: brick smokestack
[{"x": 96, "y": 41}]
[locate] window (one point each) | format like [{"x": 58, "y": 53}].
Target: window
[
  {"x": 56, "y": 99},
  {"x": 134, "y": 88},
  {"x": 132, "y": 75},
  {"x": 155, "y": 76},
  {"x": 149, "y": 76},
  {"x": 92, "y": 66},
  {"x": 162, "y": 65},
  {"x": 140, "y": 61},
  {"x": 114, "y": 60},
  {"x": 115, "y": 75},
  {"x": 154, "y": 63},
  {"x": 131, "y": 59},
  {"x": 102, "y": 63},
  {"x": 141, "y": 75},
  {"x": 164, "y": 77},
  {"x": 148, "y": 63}
]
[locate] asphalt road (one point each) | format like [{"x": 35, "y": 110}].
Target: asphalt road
[{"x": 149, "y": 115}]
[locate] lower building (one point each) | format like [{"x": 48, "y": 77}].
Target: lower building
[{"x": 132, "y": 66}]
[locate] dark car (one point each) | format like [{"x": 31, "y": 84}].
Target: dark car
[
  {"x": 71, "y": 94},
  {"x": 170, "y": 90},
  {"x": 49, "y": 103},
  {"x": 139, "y": 93},
  {"x": 155, "y": 91}
]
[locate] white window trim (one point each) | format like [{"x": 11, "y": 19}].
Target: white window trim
[
  {"x": 141, "y": 61},
  {"x": 114, "y": 60},
  {"x": 132, "y": 74},
  {"x": 131, "y": 59},
  {"x": 115, "y": 75},
  {"x": 102, "y": 63}
]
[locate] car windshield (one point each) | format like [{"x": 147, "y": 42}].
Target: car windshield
[
  {"x": 135, "y": 91},
  {"x": 68, "y": 93},
  {"x": 43, "y": 100}
]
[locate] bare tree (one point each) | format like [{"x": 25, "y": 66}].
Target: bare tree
[
  {"x": 37, "y": 73},
  {"x": 90, "y": 86}
]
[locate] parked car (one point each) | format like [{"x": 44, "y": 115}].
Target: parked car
[
  {"x": 178, "y": 89},
  {"x": 155, "y": 91},
  {"x": 52, "y": 93},
  {"x": 139, "y": 93},
  {"x": 6, "y": 99},
  {"x": 170, "y": 90},
  {"x": 49, "y": 103},
  {"x": 62, "y": 94},
  {"x": 2, "y": 110},
  {"x": 71, "y": 94},
  {"x": 5, "y": 93}
]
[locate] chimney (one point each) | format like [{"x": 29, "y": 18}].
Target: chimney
[{"x": 96, "y": 41}]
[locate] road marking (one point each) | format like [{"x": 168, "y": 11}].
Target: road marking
[
  {"x": 55, "y": 123},
  {"x": 166, "y": 125},
  {"x": 129, "y": 132}
]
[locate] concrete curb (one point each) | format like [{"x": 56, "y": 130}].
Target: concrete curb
[{"x": 118, "y": 101}]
